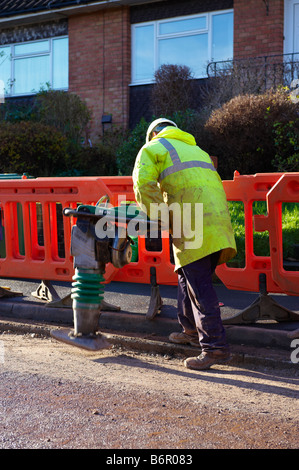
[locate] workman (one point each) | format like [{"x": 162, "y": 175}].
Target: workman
[{"x": 171, "y": 169}]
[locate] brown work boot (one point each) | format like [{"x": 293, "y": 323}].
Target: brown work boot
[
  {"x": 207, "y": 359},
  {"x": 183, "y": 338}
]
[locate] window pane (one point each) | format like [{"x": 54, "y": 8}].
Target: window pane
[
  {"x": 190, "y": 50},
  {"x": 31, "y": 74},
  {"x": 222, "y": 39},
  {"x": 32, "y": 47},
  {"x": 143, "y": 53},
  {"x": 60, "y": 63},
  {"x": 5, "y": 67},
  {"x": 180, "y": 26}
]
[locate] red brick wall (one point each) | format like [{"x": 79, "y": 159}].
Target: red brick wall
[
  {"x": 100, "y": 57},
  {"x": 99, "y": 64},
  {"x": 255, "y": 32}
]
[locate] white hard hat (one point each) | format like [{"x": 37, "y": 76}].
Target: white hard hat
[{"x": 155, "y": 124}]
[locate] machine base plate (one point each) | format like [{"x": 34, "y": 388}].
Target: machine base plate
[{"x": 91, "y": 343}]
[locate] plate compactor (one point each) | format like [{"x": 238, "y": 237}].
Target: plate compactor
[{"x": 100, "y": 236}]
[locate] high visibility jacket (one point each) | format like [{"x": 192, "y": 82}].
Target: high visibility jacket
[{"x": 172, "y": 169}]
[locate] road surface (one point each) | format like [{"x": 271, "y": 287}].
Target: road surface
[{"x": 54, "y": 396}]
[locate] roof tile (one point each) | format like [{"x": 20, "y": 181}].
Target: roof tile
[{"x": 15, "y": 7}]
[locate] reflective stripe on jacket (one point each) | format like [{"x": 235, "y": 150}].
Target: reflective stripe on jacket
[
  {"x": 178, "y": 164},
  {"x": 171, "y": 168}
]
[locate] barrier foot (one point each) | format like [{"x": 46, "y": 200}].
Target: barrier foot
[
  {"x": 65, "y": 301},
  {"x": 45, "y": 291},
  {"x": 263, "y": 308},
  {"x": 105, "y": 306},
  {"x": 155, "y": 300},
  {"x": 6, "y": 292},
  {"x": 94, "y": 342}
]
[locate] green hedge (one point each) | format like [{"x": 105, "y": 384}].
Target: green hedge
[{"x": 33, "y": 148}]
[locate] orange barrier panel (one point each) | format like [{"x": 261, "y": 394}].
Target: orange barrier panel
[
  {"x": 47, "y": 234},
  {"x": 148, "y": 257},
  {"x": 121, "y": 189},
  {"x": 285, "y": 190},
  {"x": 40, "y": 250},
  {"x": 247, "y": 189}
]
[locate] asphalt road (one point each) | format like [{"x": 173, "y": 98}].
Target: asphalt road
[
  {"x": 138, "y": 395},
  {"x": 53, "y": 396},
  {"x": 134, "y": 298}
]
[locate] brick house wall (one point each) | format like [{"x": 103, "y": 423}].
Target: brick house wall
[
  {"x": 258, "y": 31},
  {"x": 99, "y": 64},
  {"x": 100, "y": 48},
  {"x": 140, "y": 95}
]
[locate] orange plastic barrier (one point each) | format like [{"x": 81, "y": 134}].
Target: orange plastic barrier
[
  {"x": 271, "y": 187},
  {"x": 37, "y": 236},
  {"x": 248, "y": 189},
  {"x": 31, "y": 213},
  {"x": 121, "y": 189},
  {"x": 148, "y": 257},
  {"x": 285, "y": 190}
]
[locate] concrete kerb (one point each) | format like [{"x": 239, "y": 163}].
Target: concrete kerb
[
  {"x": 250, "y": 345},
  {"x": 258, "y": 335}
]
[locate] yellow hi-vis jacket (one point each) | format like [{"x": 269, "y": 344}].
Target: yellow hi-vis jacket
[{"x": 172, "y": 169}]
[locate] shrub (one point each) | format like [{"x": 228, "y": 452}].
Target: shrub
[
  {"x": 18, "y": 110},
  {"x": 173, "y": 89},
  {"x": 98, "y": 160},
  {"x": 65, "y": 111},
  {"x": 127, "y": 152},
  {"x": 240, "y": 77},
  {"x": 192, "y": 122},
  {"x": 189, "y": 121},
  {"x": 240, "y": 133},
  {"x": 286, "y": 141},
  {"x": 61, "y": 109},
  {"x": 32, "y": 148}
]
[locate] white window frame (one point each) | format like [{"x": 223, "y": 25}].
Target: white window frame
[
  {"x": 289, "y": 26},
  {"x": 13, "y": 57},
  {"x": 208, "y": 30}
]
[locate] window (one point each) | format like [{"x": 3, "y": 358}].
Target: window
[
  {"x": 291, "y": 27},
  {"x": 191, "y": 40},
  {"x": 27, "y": 67}
]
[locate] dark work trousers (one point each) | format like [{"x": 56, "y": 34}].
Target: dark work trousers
[{"x": 198, "y": 305}]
